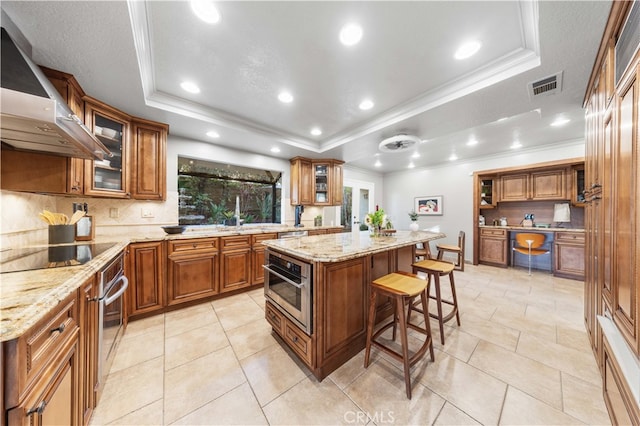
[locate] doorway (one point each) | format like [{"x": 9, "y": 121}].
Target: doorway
[{"x": 357, "y": 201}]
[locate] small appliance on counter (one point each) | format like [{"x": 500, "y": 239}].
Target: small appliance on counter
[
  {"x": 528, "y": 220},
  {"x": 84, "y": 226}
]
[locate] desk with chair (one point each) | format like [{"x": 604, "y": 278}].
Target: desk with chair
[{"x": 532, "y": 250}]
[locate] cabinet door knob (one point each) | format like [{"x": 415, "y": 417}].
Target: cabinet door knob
[
  {"x": 37, "y": 409},
  {"x": 60, "y": 328},
  {"x": 295, "y": 339}
]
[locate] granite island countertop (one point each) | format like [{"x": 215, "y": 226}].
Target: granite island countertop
[
  {"x": 348, "y": 245},
  {"x": 27, "y": 296}
]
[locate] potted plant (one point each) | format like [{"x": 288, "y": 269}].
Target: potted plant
[{"x": 414, "y": 221}]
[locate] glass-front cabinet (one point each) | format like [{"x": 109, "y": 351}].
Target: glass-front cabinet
[
  {"x": 108, "y": 177},
  {"x": 488, "y": 197},
  {"x": 321, "y": 184}
]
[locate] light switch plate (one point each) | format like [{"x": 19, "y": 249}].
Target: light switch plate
[
  {"x": 147, "y": 213},
  {"x": 114, "y": 213}
]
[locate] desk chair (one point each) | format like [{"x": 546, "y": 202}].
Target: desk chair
[{"x": 529, "y": 244}]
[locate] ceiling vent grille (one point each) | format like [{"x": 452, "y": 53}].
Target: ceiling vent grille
[
  {"x": 398, "y": 143},
  {"x": 546, "y": 86}
]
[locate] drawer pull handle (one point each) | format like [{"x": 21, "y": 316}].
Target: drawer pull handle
[
  {"x": 195, "y": 245},
  {"x": 295, "y": 339},
  {"x": 60, "y": 328},
  {"x": 38, "y": 409}
]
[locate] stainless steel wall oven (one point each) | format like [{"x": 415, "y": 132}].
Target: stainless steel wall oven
[{"x": 287, "y": 283}]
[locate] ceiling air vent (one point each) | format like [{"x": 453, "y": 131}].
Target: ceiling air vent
[
  {"x": 398, "y": 143},
  {"x": 546, "y": 86}
]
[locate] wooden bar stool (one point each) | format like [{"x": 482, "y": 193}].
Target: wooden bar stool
[
  {"x": 458, "y": 250},
  {"x": 437, "y": 269},
  {"x": 402, "y": 288}
]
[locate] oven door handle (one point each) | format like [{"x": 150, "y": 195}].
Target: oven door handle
[
  {"x": 108, "y": 300},
  {"x": 266, "y": 267}
]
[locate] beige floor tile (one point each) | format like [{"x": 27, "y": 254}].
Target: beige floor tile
[
  {"x": 133, "y": 350},
  {"x": 349, "y": 371},
  {"x": 583, "y": 401},
  {"x": 380, "y": 391},
  {"x": 471, "y": 390},
  {"x": 194, "y": 384},
  {"x": 238, "y": 312},
  {"x": 177, "y": 322},
  {"x": 544, "y": 330},
  {"x": 271, "y": 372},
  {"x": 193, "y": 344},
  {"x": 490, "y": 331},
  {"x": 129, "y": 390},
  {"x": 522, "y": 409},
  {"x": 577, "y": 363},
  {"x": 236, "y": 407},
  {"x": 145, "y": 325},
  {"x": 457, "y": 342},
  {"x": 450, "y": 415},
  {"x": 572, "y": 338},
  {"x": 250, "y": 338},
  {"x": 312, "y": 403},
  {"x": 532, "y": 377},
  {"x": 148, "y": 415}
]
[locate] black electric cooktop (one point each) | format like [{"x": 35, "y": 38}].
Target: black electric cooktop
[{"x": 58, "y": 256}]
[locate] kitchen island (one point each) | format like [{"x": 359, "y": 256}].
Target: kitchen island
[{"x": 342, "y": 267}]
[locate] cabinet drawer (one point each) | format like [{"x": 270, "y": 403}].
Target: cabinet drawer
[
  {"x": 570, "y": 237},
  {"x": 257, "y": 238},
  {"x": 492, "y": 232},
  {"x": 180, "y": 246},
  {"x": 237, "y": 242},
  {"x": 298, "y": 341},
  {"x": 32, "y": 352},
  {"x": 274, "y": 317}
]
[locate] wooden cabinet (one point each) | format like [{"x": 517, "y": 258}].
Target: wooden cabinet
[
  {"x": 295, "y": 338},
  {"x": 41, "y": 370},
  {"x": 146, "y": 273},
  {"x": 301, "y": 181},
  {"x": 148, "y": 171},
  {"x": 569, "y": 255},
  {"x": 88, "y": 303},
  {"x": 316, "y": 232},
  {"x": 235, "y": 262},
  {"x": 488, "y": 195},
  {"x": 109, "y": 177},
  {"x": 316, "y": 182},
  {"x": 538, "y": 185},
  {"x": 192, "y": 271},
  {"x": 257, "y": 256},
  {"x": 493, "y": 246},
  {"x": 577, "y": 186},
  {"x": 617, "y": 397}
]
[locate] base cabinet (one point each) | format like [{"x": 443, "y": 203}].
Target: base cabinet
[
  {"x": 257, "y": 256},
  {"x": 235, "y": 262},
  {"x": 569, "y": 255},
  {"x": 89, "y": 348},
  {"x": 192, "y": 270},
  {"x": 145, "y": 270},
  {"x": 494, "y": 247}
]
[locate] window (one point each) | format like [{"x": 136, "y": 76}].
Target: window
[{"x": 207, "y": 193}]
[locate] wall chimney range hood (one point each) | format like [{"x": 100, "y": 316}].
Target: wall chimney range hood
[{"x": 33, "y": 115}]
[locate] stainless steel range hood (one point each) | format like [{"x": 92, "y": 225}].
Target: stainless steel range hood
[{"x": 34, "y": 117}]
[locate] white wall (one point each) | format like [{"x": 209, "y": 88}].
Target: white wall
[{"x": 455, "y": 183}]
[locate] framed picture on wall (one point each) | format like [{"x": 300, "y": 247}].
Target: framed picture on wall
[{"x": 429, "y": 206}]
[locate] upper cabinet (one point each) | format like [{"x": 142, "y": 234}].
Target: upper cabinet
[
  {"x": 488, "y": 193},
  {"x": 538, "y": 185},
  {"x": 316, "y": 182},
  {"x": 108, "y": 177},
  {"x": 136, "y": 169}
]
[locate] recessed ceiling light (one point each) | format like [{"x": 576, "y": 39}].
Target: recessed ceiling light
[
  {"x": 416, "y": 155},
  {"x": 366, "y": 104},
  {"x": 378, "y": 163},
  {"x": 350, "y": 34},
  {"x": 275, "y": 149},
  {"x": 453, "y": 157},
  {"x": 316, "y": 131},
  {"x": 190, "y": 87},
  {"x": 516, "y": 145},
  {"x": 467, "y": 49},
  {"x": 206, "y": 10},
  {"x": 472, "y": 142},
  {"x": 213, "y": 134},
  {"x": 285, "y": 97},
  {"x": 560, "y": 122},
  {"x": 411, "y": 165}
]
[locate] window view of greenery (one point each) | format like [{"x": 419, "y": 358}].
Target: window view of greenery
[{"x": 207, "y": 193}]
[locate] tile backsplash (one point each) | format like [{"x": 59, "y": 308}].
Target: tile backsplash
[{"x": 20, "y": 224}]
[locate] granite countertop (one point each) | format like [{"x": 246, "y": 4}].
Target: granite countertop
[
  {"x": 348, "y": 245},
  {"x": 533, "y": 228},
  {"x": 29, "y": 295}
]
